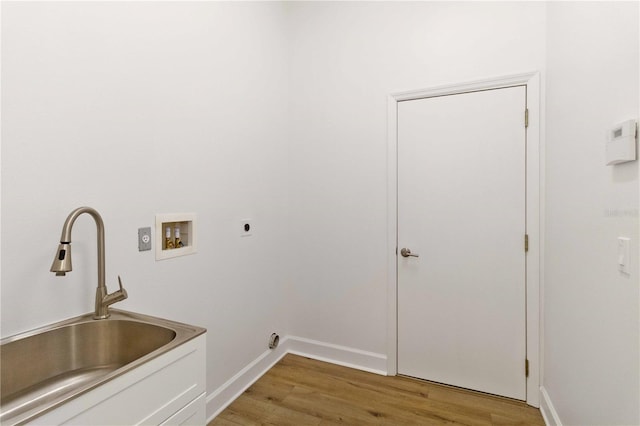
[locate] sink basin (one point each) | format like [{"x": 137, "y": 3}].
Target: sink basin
[{"x": 43, "y": 368}]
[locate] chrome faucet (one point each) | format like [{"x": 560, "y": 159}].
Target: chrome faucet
[{"x": 62, "y": 262}]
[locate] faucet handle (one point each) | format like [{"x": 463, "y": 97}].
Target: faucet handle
[
  {"x": 109, "y": 299},
  {"x": 122, "y": 290}
]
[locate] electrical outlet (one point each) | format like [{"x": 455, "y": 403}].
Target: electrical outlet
[
  {"x": 246, "y": 228},
  {"x": 144, "y": 239}
]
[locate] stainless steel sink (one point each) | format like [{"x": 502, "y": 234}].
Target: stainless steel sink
[{"x": 44, "y": 368}]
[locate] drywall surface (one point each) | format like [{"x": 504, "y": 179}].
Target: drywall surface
[
  {"x": 591, "y": 309},
  {"x": 138, "y": 108},
  {"x": 346, "y": 58},
  {"x": 276, "y": 112}
]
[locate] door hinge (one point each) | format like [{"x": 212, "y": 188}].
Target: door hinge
[
  {"x": 526, "y": 242},
  {"x": 526, "y": 368},
  {"x": 526, "y": 118}
]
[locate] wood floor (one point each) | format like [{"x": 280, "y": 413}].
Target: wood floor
[{"x": 301, "y": 391}]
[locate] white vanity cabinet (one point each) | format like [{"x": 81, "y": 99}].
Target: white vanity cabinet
[{"x": 167, "y": 390}]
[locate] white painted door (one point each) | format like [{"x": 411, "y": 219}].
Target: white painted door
[{"x": 461, "y": 209}]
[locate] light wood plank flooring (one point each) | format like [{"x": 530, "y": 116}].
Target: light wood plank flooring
[{"x": 301, "y": 391}]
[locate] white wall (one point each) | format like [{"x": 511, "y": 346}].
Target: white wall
[
  {"x": 346, "y": 58},
  {"x": 278, "y": 112},
  {"x": 137, "y": 109},
  {"x": 591, "y": 310}
]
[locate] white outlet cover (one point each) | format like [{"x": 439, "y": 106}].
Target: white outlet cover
[{"x": 144, "y": 239}]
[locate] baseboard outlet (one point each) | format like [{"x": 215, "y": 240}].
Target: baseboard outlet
[
  {"x": 335, "y": 354},
  {"x": 340, "y": 355},
  {"x": 549, "y": 413},
  {"x": 235, "y": 386}
]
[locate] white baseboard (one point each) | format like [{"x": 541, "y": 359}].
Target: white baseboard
[
  {"x": 547, "y": 409},
  {"x": 335, "y": 354},
  {"x": 219, "y": 399},
  {"x": 340, "y": 355}
]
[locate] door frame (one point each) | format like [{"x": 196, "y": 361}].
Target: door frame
[{"x": 533, "y": 214}]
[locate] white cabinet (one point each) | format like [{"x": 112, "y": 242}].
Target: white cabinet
[
  {"x": 192, "y": 414},
  {"x": 167, "y": 390}
]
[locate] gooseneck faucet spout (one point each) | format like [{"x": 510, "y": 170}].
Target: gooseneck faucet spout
[{"x": 62, "y": 262}]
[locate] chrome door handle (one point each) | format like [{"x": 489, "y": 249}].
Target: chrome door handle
[{"x": 405, "y": 252}]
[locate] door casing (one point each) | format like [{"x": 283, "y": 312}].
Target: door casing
[{"x": 533, "y": 219}]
